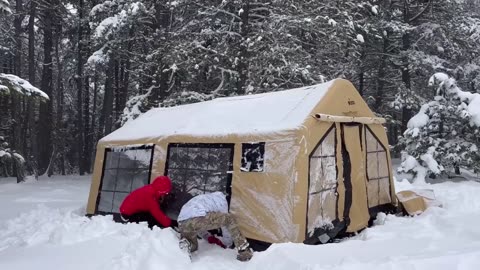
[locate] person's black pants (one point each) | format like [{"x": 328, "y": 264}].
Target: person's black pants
[{"x": 142, "y": 217}]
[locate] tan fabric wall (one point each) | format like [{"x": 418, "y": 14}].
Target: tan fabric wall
[
  {"x": 378, "y": 172},
  {"x": 343, "y": 100},
  {"x": 358, "y": 213},
  {"x": 323, "y": 180},
  {"x": 313, "y": 132},
  {"x": 262, "y": 202},
  {"x": 380, "y": 133}
]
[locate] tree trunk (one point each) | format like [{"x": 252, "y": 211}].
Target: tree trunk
[
  {"x": 86, "y": 112},
  {"x": 117, "y": 91},
  {"x": 107, "y": 110},
  {"x": 16, "y": 110},
  {"x": 45, "y": 120},
  {"x": 31, "y": 42},
  {"x": 60, "y": 128},
  {"x": 87, "y": 131},
  {"x": 406, "y": 113},
  {"x": 17, "y": 22},
  {"x": 80, "y": 89},
  {"x": 381, "y": 75},
  {"x": 125, "y": 81},
  {"x": 29, "y": 123},
  {"x": 160, "y": 88},
  {"x": 242, "y": 68},
  {"x": 94, "y": 131},
  {"x": 361, "y": 84}
]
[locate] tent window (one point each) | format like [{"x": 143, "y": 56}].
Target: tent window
[
  {"x": 322, "y": 195},
  {"x": 125, "y": 169},
  {"x": 252, "y": 157},
  {"x": 377, "y": 171},
  {"x": 200, "y": 168}
]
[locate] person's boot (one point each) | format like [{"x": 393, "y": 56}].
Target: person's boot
[
  {"x": 244, "y": 253},
  {"x": 185, "y": 246}
]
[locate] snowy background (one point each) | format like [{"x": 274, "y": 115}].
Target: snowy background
[{"x": 42, "y": 226}]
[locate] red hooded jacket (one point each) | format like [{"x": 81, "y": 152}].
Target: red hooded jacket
[{"x": 145, "y": 199}]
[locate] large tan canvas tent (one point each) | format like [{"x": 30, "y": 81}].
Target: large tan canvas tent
[{"x": 299, "y": 165}]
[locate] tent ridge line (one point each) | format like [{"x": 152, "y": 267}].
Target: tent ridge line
[{"x": 348, "y": 119}]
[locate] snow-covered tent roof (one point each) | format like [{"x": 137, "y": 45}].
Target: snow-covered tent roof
[{"x": 251, "y": 114}]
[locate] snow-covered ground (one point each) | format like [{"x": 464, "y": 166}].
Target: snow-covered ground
[{"x": 42, "y": 227}]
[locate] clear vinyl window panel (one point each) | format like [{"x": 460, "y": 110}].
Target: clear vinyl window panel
[
  {"x": 125, "y": 169},
  {"x": 200, "y": 168},
  {"x": 323, "y": 184},
  {"x": 378, "y": 186},
  {"x": 197, "y": 169}
]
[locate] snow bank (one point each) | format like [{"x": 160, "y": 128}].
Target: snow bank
[
  {"x": 57, "y": 236},
  {"x": 440, "y": 238},
  {"x": 143, "y": 248}
]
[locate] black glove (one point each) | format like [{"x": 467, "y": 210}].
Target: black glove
[{"x": 174, "y": 224}]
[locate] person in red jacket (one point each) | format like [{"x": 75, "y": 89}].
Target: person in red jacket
[{"x": 143, "y": 204}]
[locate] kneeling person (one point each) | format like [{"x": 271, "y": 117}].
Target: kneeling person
[
  {"x": 208, "y": 212},
  {"x": 143, "y": 204}
]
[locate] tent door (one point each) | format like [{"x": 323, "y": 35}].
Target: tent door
[
  {"x": 322, "y": 211},
  {"x": 356, "y": 207}
]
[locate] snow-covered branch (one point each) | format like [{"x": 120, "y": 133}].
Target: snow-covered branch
[
  {"x": 4, "y": 7},
  {"x": 9, "y": 82}
]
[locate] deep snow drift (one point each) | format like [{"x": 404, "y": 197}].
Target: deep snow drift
[{"x": 42, "y": 227}]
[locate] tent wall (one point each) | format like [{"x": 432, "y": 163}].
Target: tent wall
[
  {"x": 96, "y": 177},
  {"x": 354, "y": 175},
  {"x": 313, "y": 135},
  {"x": 381, "y": 135},
  {"x": 263, "y": 202},
  {"x": 343, "y": 100}
]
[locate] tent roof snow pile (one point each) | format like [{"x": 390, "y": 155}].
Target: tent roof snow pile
[{"x": 251, "y": 114}]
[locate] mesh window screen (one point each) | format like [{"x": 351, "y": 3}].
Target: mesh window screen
[
  {"x": 377, "y": 172},
  {"x": 197, "y": 169},
  {"x": 125, "y": 169},
  {"x": 323, "y": 184}
]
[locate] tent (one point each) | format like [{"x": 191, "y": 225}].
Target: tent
[{"x": 300, "y": 165}]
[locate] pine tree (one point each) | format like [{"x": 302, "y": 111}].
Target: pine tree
[{"x": 442, "y": 136}]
